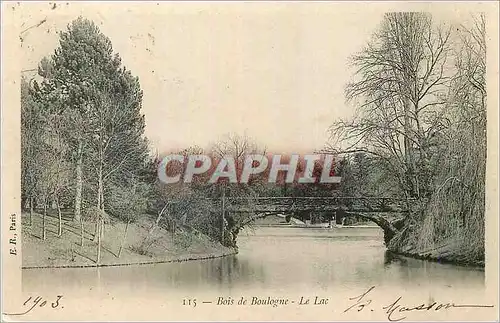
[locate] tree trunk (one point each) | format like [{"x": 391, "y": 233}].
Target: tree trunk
[
  {"x": 102, "y": 208},
  {"x": 24, "y": 201},
  {"x": 31, "y": 209},
  {"x": 222, "y": 213},
  {"x": 171, "y": 225},
  {"x": 96, "y": 229},
  {"x": 79, "y": 183},
  {"x": 81, "y": 233},
  {"x": 100, "y": 203},
  {"x": 44, "y": 231},
  {"x": 407, "y": 148},
  {"x": 123, "y": 239},
  {"x": 59, "y": 215},
  {"x": 94, "y": 235},
  {"x": 99, "y": 188},
  {"x": 98, "y": 243},
  {"x": 102, "y": 192}
]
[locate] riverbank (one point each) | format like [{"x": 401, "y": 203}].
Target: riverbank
[
  {"x": 313, "y": 226},
  {"x": 450, "y": 251},
  {"x": 442, "y": 258},
  {"x": 65, "y": 251}
]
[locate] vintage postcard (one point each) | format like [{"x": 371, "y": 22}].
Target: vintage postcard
[{"x": 250, "y": 161}]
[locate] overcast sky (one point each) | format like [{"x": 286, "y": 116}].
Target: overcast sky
[{"x": 275, "y": 71}]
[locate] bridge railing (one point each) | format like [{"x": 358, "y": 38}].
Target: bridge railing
[{"x": 316, "y": 203}]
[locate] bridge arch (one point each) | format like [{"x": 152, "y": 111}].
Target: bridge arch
[
  {"x": 387, "y": 213},
  {"x": 389, "y": 225}
]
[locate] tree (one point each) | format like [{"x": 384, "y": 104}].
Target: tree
[
  {"x": 95, "y": 215},
  {"x": 238, "y": 147},
  {"x": 84, "y": 115},
  {"x": 401, "y": 86},
  {"x": 117, "y": 142},
  {"x": 81, "y": 68},
  {"x": 44, "y": 166},
  {"x": 421, "y": 114},
  {"x": 31, "y": 145},
  {"x": 181, "y": 204},
  {"x": 100, "y": 102},
  {"x": 363, "y": 175},
  {"x": 456, "y": 208}
]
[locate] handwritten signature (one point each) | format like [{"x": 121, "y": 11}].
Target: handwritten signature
[
  {"x": 38, "y": 301},
  {"x": 395, "y": 311}
]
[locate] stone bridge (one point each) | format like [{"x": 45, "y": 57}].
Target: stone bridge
[{"x": 387, "y": 213}]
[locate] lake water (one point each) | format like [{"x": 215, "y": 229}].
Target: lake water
[{"x": 271, "y": 261}]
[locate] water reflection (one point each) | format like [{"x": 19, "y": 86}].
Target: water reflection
[
  {"x": 390, "y": 257},
  {"x": 271, "y": 259}
]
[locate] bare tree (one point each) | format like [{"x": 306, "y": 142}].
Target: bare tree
[
  {"x": 455, "y": 215},
  {"x": 400, "y": 87},
  {"x": 420, "y": 99},
  {"x": 238, "y": 147}
]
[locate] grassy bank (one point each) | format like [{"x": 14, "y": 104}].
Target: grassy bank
[
  {"x": 66, "y": 251},
  {"x": 454, "y": 249}
]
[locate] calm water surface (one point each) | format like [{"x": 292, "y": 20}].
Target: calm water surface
[{"x": 272, "y": 258}]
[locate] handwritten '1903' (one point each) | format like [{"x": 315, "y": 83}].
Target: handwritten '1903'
[{"x": 34, "y": 302}]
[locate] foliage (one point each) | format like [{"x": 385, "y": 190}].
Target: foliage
[
  {"x": 128, "y": 201},
  {"x": 83, "y": 130},
  {"x": 454, "y": 215},
  {"x": 95, "y": 214},
  {"x": 420, "y": 123}
]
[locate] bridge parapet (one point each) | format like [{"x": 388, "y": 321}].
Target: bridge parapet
[{"x": 313, "y": 204}]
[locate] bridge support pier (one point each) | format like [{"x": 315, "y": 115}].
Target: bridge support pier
[{"x": 390, "y": 229}]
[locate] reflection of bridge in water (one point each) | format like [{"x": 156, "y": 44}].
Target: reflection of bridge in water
[{"x": 387, "y": 213}]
